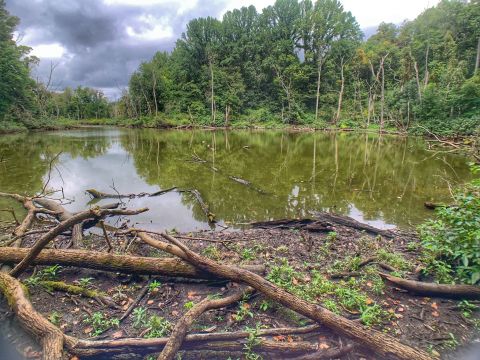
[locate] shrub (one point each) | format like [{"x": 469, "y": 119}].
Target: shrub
[{"x": 451, "y": 241}]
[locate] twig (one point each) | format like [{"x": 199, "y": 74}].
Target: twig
[
  {"x": 105, "y": 234},
  {"x": 136, "y": 302}
]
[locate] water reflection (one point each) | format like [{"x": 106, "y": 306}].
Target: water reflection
[{"x": 380, "y": 180}]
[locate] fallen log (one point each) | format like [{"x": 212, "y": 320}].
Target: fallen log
[
  {"x": 89, "y": 348},
  {"x": 304, "y": 224},
  {"x": 383, "y": 344},
  {"x": 101, "y": 195},
  {"x": 63, "y": 214},
  {"x": 49, "y": 336},
  {"x": 435, "y": 290},
  {"x": 60, "y": 228},
  {"x": 100, "y": 297},
  {"x": 179, "y": 332},
  {"x": 351, "y": 223},
  {"x": 205, "y": 208},
  {"x": 171, "y": 267},
  {"x": 433, "y": 206},
  {"x": 327, "y": 355}
]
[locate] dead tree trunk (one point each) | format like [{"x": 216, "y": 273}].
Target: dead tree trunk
[
  {"x": 381, "y": 343},
  {"x": 340, "y": 94}
]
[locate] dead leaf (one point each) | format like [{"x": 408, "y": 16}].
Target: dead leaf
[
  {"x": 117, "y": 334},
  {"x": 398, "y": 316},
  {"x": 369, "y": 301},
  {"x": 435, "y": 314},
  {"x": 434, "y": 305},
  {"x": 294, "y": 281},
  {"x": 400, "y": 309},
  {"x": 150, "y": 302},
  {"x": 323, "y": 346},
  {"x": 279, "y": 338},
  {"x": 191, "y": 295},
  {"x": 87, "y": 330},
  {"x": 174, "y": 313}
]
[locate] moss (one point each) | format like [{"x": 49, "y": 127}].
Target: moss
[{"x": 71, "y": 289}]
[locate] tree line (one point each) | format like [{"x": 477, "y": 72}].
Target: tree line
[{"x": 301, "y": 63}]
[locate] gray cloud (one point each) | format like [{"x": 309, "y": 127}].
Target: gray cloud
[{"x": 100, "y": 51}]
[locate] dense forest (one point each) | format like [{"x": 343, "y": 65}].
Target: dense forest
[{"x": 298, "y": 63}]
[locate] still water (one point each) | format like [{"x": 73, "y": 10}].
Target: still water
[{"x": 380, "y": 180}]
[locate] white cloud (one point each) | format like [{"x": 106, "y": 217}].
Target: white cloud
[
  {"x": 183, "y": 6},
  {"x": 153, "y": 28},
  {"x": 51, "y": 51},
  {"x": 367, "y": 12},
  {"x": 373, "y": 12}
]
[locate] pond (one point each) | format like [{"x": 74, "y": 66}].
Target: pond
[{"x": 243, "y": 175}]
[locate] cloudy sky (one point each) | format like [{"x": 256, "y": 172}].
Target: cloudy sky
[{"x": 99, "y": 43}]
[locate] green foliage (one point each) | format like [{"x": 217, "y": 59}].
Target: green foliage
[
  {"x": 451, "y": 240},
  {"x": 189, "y": 305},
  {"x": 252, "y": 341},
  {"x": 49, "y": 273},
  {"x": 139, "y": 316},
  {"x": 158, "y": 327},
  {"x": 85, "y": 282},
  {"x": 55, "y": 318},
  {"x": 154, "y": 285},
  {"x": 243, "y": 311},
  {"x": 467, "y": 308},
  {"x": 100, "y": 323}
]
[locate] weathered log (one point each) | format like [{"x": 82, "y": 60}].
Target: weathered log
[
  {"x": 102, "y": 298},
  {"x": 88, "y": 348},
  {"x": 432, "y": 289},
  {"x": 205, "y": 208},
  {"x": 175, "y": 341},
  {"x": 63, "y": 214},
  {"x": 64, "y": 225},
  {"x": 383, "y": 344},
  {"x": 351, "y": 223},
  {"x": 172, "y": 267},
  {"x": 304, "y": 224},
  {"x": 327, "y": 355},
  {"x": 35, "y": 324},
  {"x": 433, "y": 206}
]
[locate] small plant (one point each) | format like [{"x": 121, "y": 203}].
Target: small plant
[
  {"x": 243, "y": 311},
  {"x": 467, "y": 308},
  {"x": 51, "y": 272},
  {"x": 188, "y": 305},
  {"x": 252, "y": 341},
  {"x": 265, "y": 305},
  {"x": 139, "y": 316},
  {"x": 54, "y": 318},
  {"x": 373, "y": 314},
  {"x": 100, "y": 323},
  {"x": 212, "y": 252},
  {"x": 331, "y": 236},
  {"x": 451, "y": 343},
  {"x": 85, "y": 282},
  {"x": 154, "y": 285},
  {"x": 332, "y": 306},
  {"x": 158, "y": 327},
  {"x": 248, "y": 254}
]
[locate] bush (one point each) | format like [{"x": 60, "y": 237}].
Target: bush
[{"x": 452, "y": 241}]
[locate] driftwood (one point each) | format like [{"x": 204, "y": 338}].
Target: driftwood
[
  {"x": 175, "y": 341},
  {"x": 78, "y": 290},
  {"x": 171, "y": 267},
  {"x": 50, "y": 337},
  {"x": 63, "y": 214},
  {"x": 205, "y": 208},
  {"x": 437, "y": 290},
  {"x": 53, "y": 340},
  {"x": 433, "y": 206},
  {"x": 383, "y": 344},
  {"x": 86, "y": 348},
  {"x": 304, "y": 224},
  {"x": 322, "y": 222},
  {"x": 101, "y": 195},
  {"x": 64, "y": 225}
]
